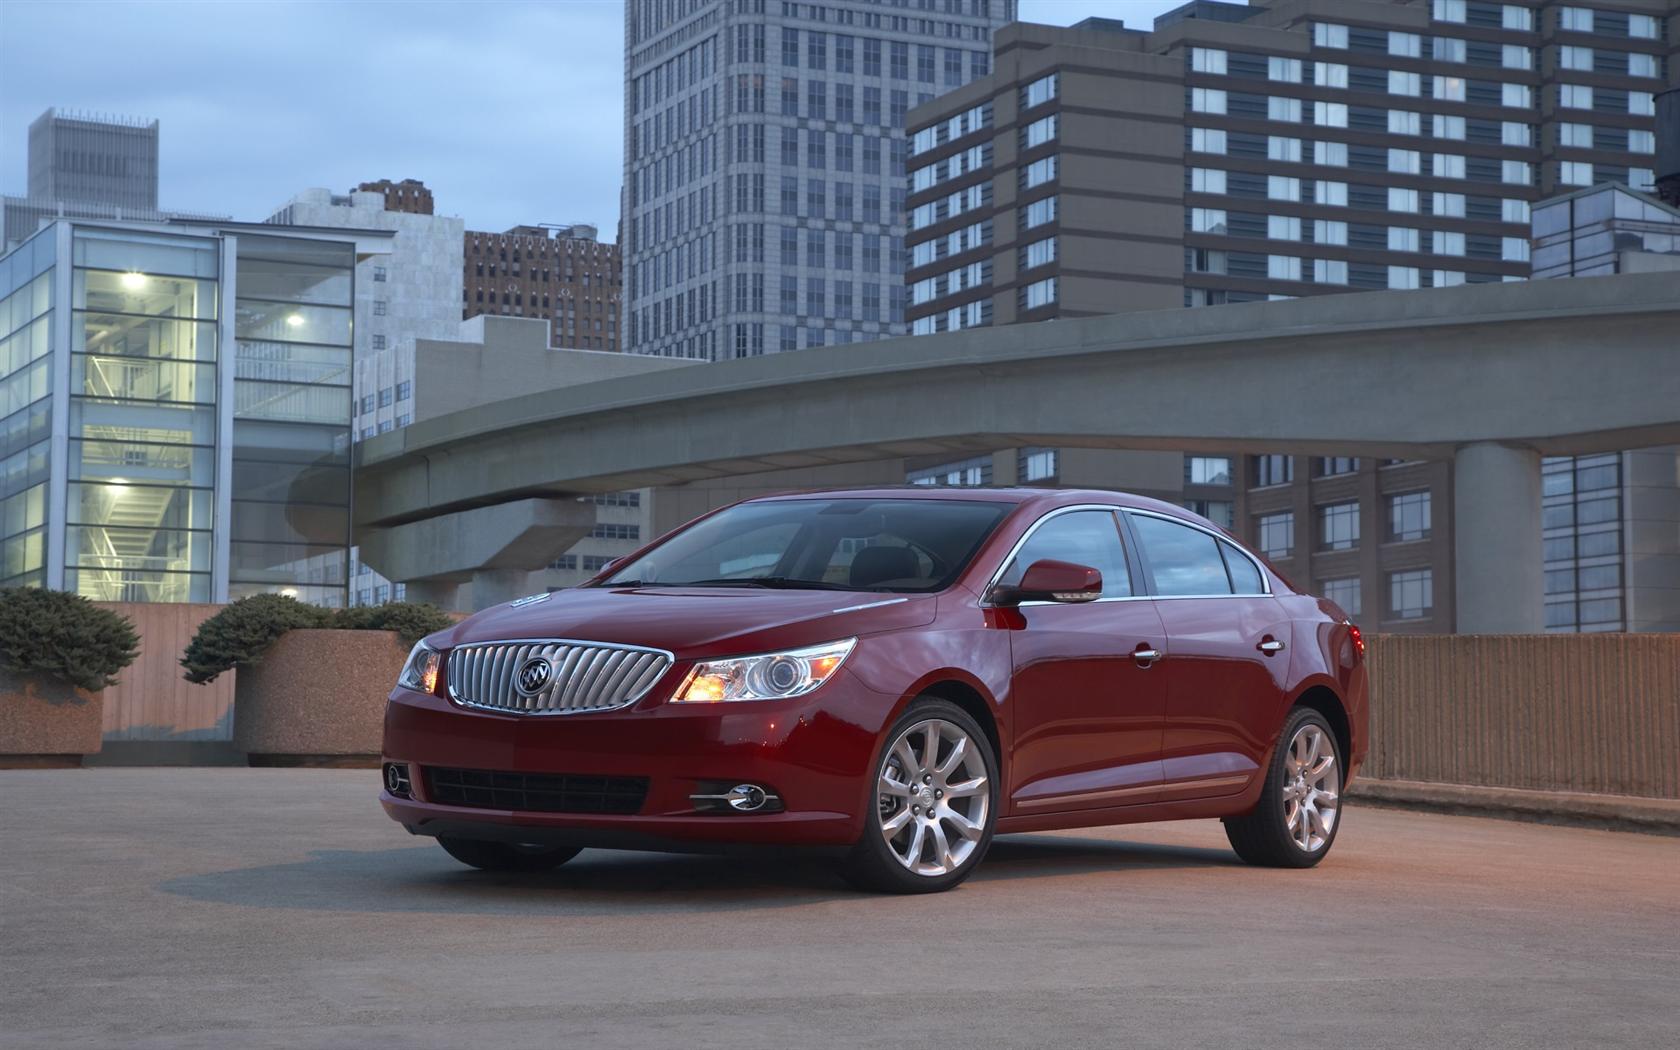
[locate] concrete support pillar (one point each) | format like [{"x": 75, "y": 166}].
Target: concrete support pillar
[
  {"x": 493, "y": 586},
  {"x": 1497, "y": 555},
  {"x": 440, "y": 593}
]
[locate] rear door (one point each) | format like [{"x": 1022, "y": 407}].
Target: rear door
[
  {"x": 1228, "y": 664},
  {"x": 1086, "y": 712}
]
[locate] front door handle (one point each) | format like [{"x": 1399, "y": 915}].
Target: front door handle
[
  {"x": 1270, "y": 646},
  {"x": 1146, "y": 656}
]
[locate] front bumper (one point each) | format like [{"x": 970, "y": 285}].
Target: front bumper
[{"x": 815, "y": 752}]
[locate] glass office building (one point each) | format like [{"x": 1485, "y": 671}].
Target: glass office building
[{"x": 177, "y": 410}]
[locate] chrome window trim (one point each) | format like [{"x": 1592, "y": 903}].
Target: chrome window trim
[
  {"x": 1027, "y": 535},
  {"x": 1265, "y": 577},
  {"x": 456, "y": 699}
]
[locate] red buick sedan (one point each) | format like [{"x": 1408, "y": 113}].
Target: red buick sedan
[{"x": 895, "y": 675}]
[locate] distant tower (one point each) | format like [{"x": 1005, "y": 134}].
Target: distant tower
[{"x": 76, "y": 157}]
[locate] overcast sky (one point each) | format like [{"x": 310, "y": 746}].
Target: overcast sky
[{"x": 510, "y": 110}]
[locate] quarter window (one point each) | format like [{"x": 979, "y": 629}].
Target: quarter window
[
  {"x": 1182, "y": 561},
  {"x": 1084, "y": 537}
]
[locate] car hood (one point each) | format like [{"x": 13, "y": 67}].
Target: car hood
[{"x": 696, "y": 622}]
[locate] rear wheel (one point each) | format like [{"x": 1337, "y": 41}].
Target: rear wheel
[
  {"x": 1299, "y": 812},
  {"x": 933, "y": 806},
  {"x": 506, "y": 856}
]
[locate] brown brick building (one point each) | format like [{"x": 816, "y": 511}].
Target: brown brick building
[
  {"x": 410, "y": 195},
  {"x": 563, "y": 275}
]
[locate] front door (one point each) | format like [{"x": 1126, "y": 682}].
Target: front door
[{"x": 1087, "y": 712}]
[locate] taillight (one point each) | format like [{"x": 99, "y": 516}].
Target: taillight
[{"x": 1356, "y": 638}]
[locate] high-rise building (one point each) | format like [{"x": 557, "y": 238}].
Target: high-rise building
[
  {"x": 89, "y": 167},
  {"x": 561, "y": 274},
  {"x": 764, "y": 162},
  {"x": 180, "y": 424},
  {"x": 1283, "y": 148},
  {"x": 412, "y": 292},
  {"x": 1610, "y": 523}
]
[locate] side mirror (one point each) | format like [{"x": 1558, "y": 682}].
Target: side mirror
[{"x": 1049, "y": 580}]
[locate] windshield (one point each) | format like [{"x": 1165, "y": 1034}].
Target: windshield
[{"x": 898, "y": 545}]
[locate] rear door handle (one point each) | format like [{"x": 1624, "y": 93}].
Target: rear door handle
[
  {"x": 1146, "y": 656},
  {"x": 1270, "y": 646}
]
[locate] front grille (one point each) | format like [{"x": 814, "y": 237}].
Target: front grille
[
  {"x": 583, "y": 676},
  {"x": 536, "y": 792}
]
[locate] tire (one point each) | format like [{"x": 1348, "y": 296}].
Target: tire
[
  {"x": 883, "y": 860},
  {"x": 1271, "y": 835},
  {"x": 505, "y": 856}
]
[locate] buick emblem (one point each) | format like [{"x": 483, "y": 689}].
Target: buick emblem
[{"x": 533, "y": 676}]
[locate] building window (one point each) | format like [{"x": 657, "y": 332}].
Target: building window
[
  {"x": 1575, "y": 19},
  {"x": 1449, "y": 49},
  {"x": 1207, "y": 60},
  {"x": 1334, "y": 193},
  {"x": 1404, "y": 122},
  {"x": 1449, "y": 89},
  {"x": 1515, "y": 56},
  {"x": 1329, "y": 231},
  {"x": 378, "y": 341},
  {"x": 1344, "y": 592},
  {"x": 1518, "y": 17},
  {"x": 1275, "y": 534},
  {"x": 1283, "y": 188},
  {"x": 1037, "y": 464},
  {"x": 1328, "y": 34},
  {"x": 1405, "y": 45},
  {"x": 1207, "y": 470},
  {"x": 1273, "y": 470},
  {"x": 1449, "y": 10},
  {"x": 1215, "y": 510},
  {"x": 1516, "y": 96},
  {"x": 1411, "y": 594},
  {"x": 1402, "y": 200},
  {"x": 405, "y": 390},
  {"x": 1039, "y": 253},
  {"x": 1283, "y": 268},
  {"x": 1040, "y": 171},
  {"x": 1330, "y": 154},
  {"x": 1405, "y": 161},
  {"x": 1644, "y": 27},
  {"x": 1038, "y": 213},
  {"x": 1404, "y": 277},
  {"x": 1575, "y": 173},
  {"x": 379, "y": 273},
  {"x": 1286, "y": 70},
  {"x": 1333, "y": 466},
  {"x": 379, "y": 307},
  {"x": 1207, "y": 140},
  {"x": 1284, "y": 110},
  {"x": 1403, "y": 83},
  {"x": 1207, "y": 100},
  {"x": 1575, "y": 96},
  {"x": 1330, "y": 74},
  {"x": 1447, "y": 242},
  {"x": 1039, "y": 91},
  {"x": 1039, "y": 293},
  {"x": 1207, "y": 220},
  {"x": 1338, "y": 526},
  {"x": 1207, "y": 180},
  {"x": 1330, "y": 271},
  {"x": 1408, "y": 517},
  {"x": 1283, "y": 227}
]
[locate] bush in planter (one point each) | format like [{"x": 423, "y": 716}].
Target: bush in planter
[
  {"x": 64, "y": 636},
  {"x": 411, "y": 620},
  {"x": 240, "y": 634}
]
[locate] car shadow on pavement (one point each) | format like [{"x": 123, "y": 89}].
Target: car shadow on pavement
[{"x": 423, "y": 879}]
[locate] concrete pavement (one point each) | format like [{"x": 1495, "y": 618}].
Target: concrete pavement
[{"x": 230, "y": 907}]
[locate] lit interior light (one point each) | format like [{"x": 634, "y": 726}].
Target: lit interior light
[
  {"x": 134, "y": 281},
  {"x": 294, "y": 319}
]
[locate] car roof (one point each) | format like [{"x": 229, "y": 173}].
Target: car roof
[{"x": 1021, "y": 494}]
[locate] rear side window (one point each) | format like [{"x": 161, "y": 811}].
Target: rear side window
[
  {"x": 1181, "y": 560},
  {"x": 1245, "y": 578},
  {"x": 1084, "y": 537}
]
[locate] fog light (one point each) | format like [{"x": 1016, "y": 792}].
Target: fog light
[
  {"x": 741, "y": 798},
  {"x": 396, "y": 779}
]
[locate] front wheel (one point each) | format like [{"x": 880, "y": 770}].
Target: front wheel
[
  {"x": 1299, "y": 812},
  {"x": 506, "y": 856},
  {"x": 933, "y": 806}
]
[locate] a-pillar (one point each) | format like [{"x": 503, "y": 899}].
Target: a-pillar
[{"x": 1497, "y": 555}]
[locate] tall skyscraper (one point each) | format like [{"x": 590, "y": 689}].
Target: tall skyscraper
[
  {"x": 764, "y": 164},
  {"x": 97, "y": 160}
]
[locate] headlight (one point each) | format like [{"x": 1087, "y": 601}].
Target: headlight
[
  {"x": 421, "y": 671},
  {"x": 771, "y": 676}
]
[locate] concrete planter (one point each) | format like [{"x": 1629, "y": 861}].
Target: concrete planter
[
  {"x": 45, "y": 722},
  {"x": 317, "y": 698}
]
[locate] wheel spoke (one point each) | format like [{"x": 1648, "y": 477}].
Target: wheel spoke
[
  {"x": 887, "y": 786},
  {"x": 968, "y": 829},
  {"x": 966, "y": 788},
  {"x": 941, "y": 846},
  {"x": 959, "y": 751},
  {"x": 1322, "y": 769},
  {"x": 895, "y": 823},
  {"x": 930, "y": 747},
  {"x": 917, "y": 838},
  {"x": 906, "y": 758}
]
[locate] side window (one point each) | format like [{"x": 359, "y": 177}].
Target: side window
[
  {"x": 1245, "y": 578},
  {"x": 1182, "y": 560},
  {"x": 1084, "y": 537}
]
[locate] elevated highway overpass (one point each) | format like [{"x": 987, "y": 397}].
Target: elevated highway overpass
[{"x": 1490, "y": 377}]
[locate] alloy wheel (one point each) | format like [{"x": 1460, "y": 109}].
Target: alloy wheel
[
  {"x": 1310, "y": 786},
  {"x": 934, "y": 797}
]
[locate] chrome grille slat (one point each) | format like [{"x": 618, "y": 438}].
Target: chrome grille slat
[{"x": 587, "y": 676}]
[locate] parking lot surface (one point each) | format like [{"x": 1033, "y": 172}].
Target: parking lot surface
[{"x": 229, "y": 907}]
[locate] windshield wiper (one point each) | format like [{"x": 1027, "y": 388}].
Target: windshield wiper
[{"x": 782, "y": 583}]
